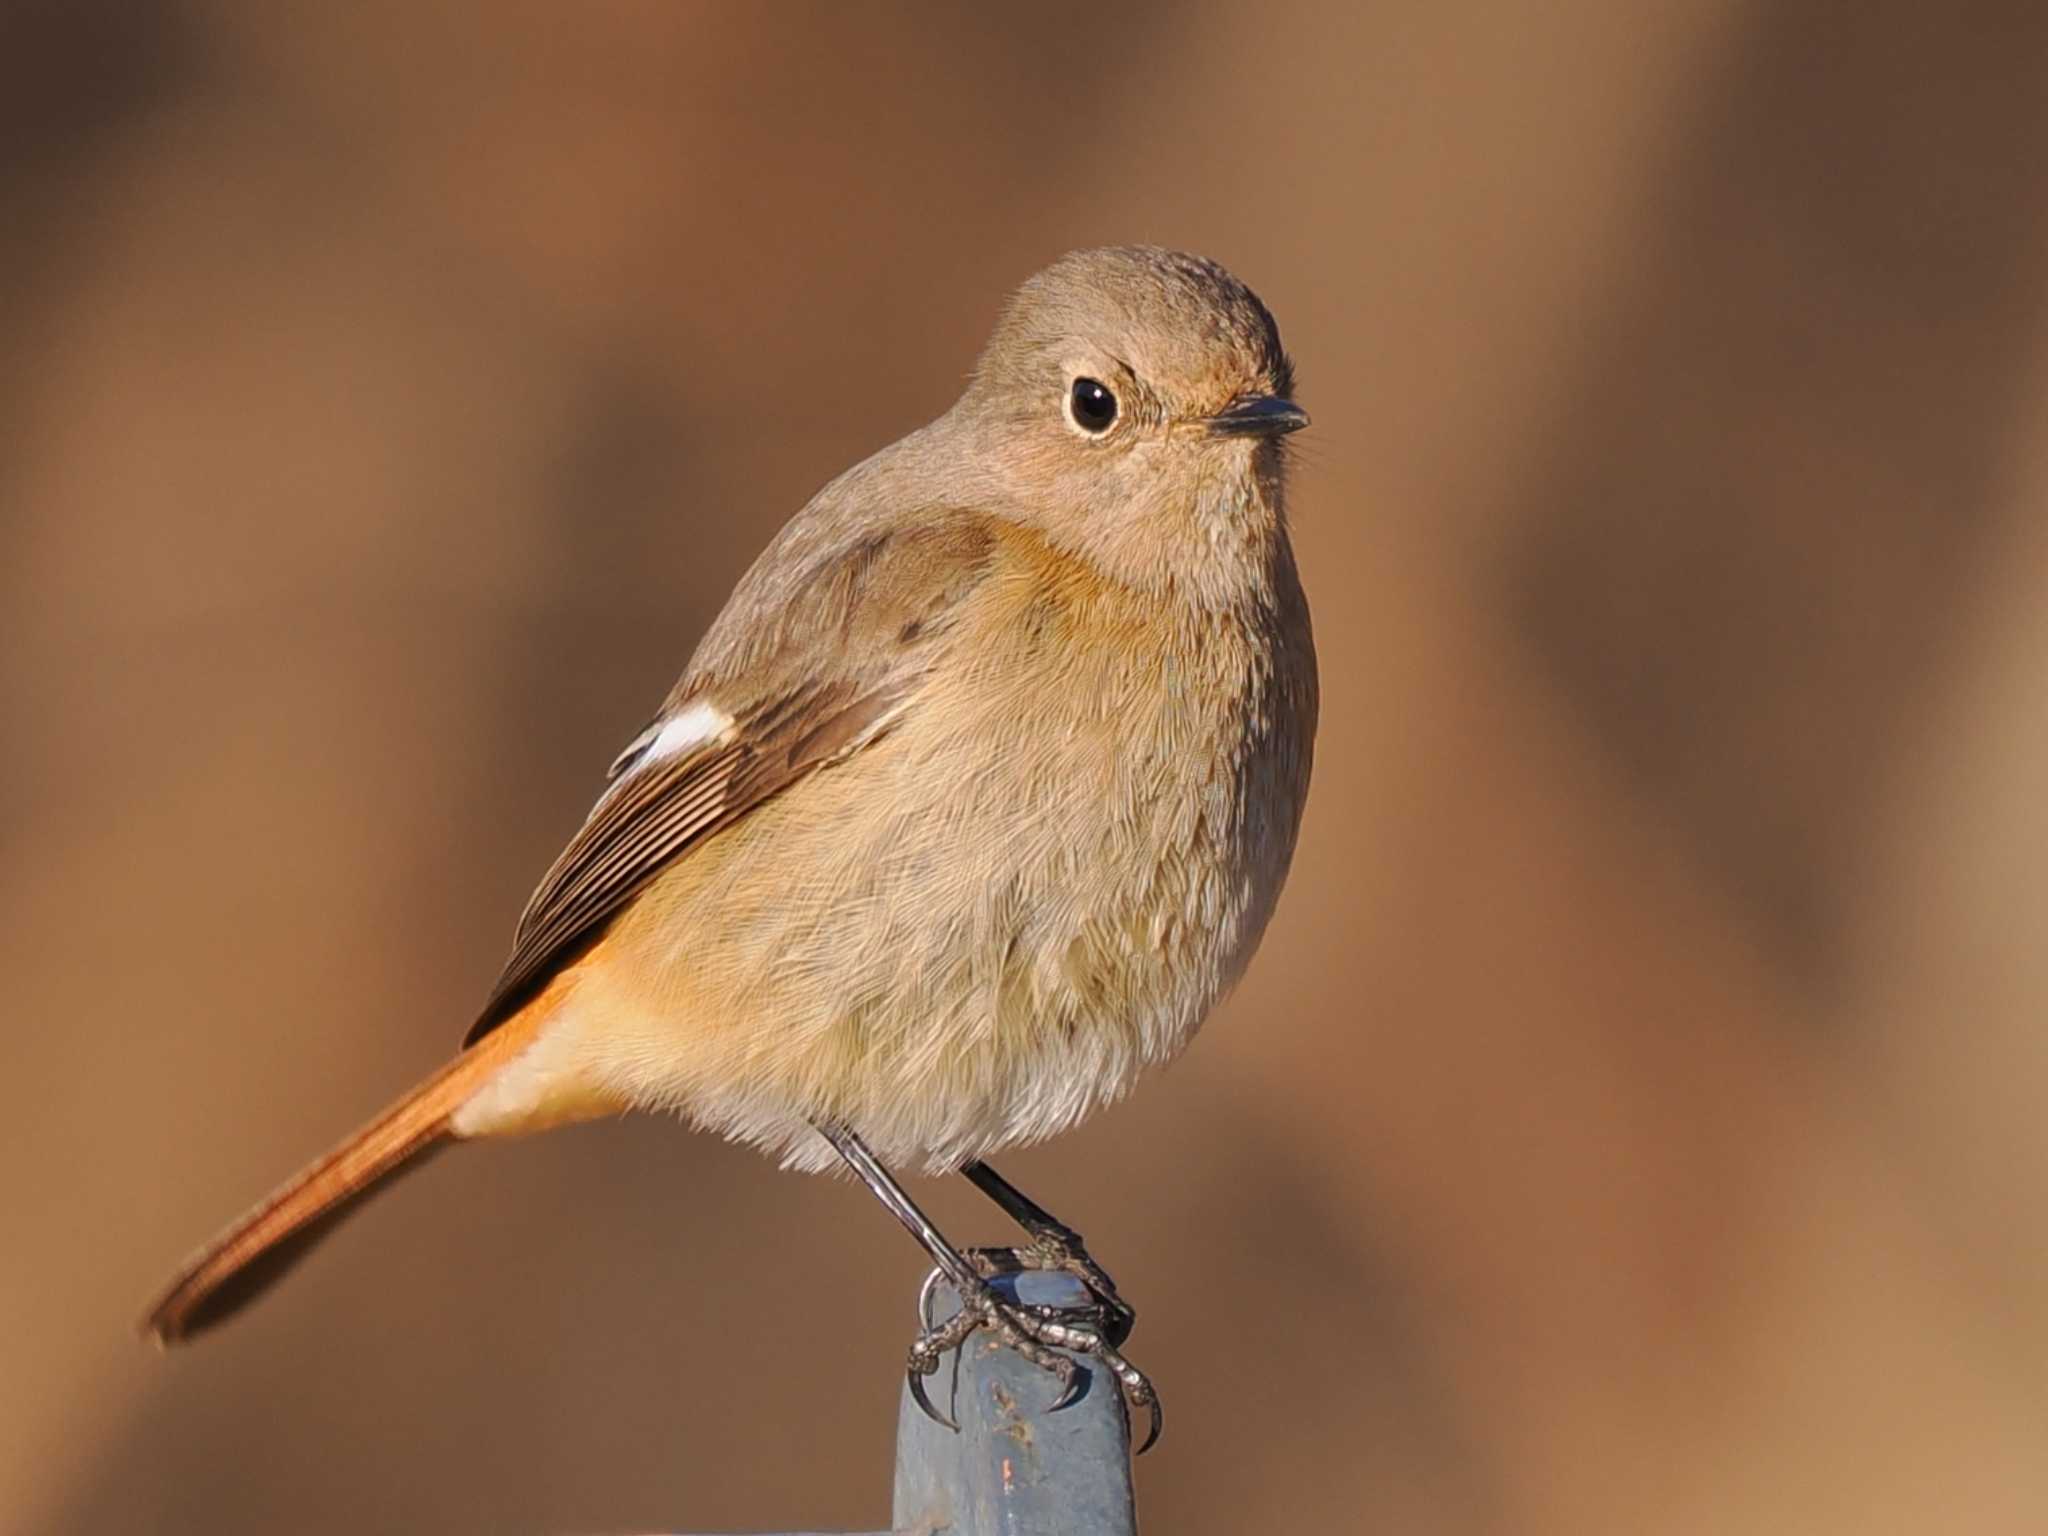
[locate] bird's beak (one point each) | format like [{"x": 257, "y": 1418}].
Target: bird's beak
[{"x": 1258, "y": 416}]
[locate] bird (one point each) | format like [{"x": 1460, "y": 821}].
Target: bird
[{"x": 972, "y": 802}]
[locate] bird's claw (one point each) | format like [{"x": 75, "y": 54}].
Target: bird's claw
[
  {"x": 918, "y": 1395},
  {"x": 1075, "y": 1383},
  {"x": 1040, "y": 1334},
  {"x": 1140, "y": 1393}
]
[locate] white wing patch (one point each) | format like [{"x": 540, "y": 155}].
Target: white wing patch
[{"x": 700, "y": 725}]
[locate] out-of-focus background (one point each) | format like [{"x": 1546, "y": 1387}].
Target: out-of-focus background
[{"x": 1634, "y": 1119}]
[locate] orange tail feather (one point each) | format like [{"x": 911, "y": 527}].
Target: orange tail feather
[{"x": 257, "y": 1250}]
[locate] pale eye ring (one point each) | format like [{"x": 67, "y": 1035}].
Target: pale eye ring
[{"x": 1091, "y": 406}]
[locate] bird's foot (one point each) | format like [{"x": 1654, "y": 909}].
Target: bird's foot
[
  {"x": 1047, "y": 1336},
  {"x": 1059, "y": 1250}
]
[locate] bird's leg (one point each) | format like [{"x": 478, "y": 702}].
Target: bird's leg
[
  {"x": 1035, "y": 1332},
  {"x": 1054, "y": 1245}
]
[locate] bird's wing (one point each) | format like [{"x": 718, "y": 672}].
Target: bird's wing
[{"x": 826, "y": 657}]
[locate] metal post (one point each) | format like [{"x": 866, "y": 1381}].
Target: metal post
[{"x": 1014, "y": 1469}]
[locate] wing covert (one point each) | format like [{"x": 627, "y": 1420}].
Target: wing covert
[{"x": 831, "y": 668}]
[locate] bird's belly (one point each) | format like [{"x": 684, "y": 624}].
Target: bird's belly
[
  {"x": 955, "y": 979},
  {"x": 996, "y": 928}
]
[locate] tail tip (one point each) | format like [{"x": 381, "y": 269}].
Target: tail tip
[{"x": 160, "y": 1326}]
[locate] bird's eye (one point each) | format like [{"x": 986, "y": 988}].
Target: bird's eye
[{"x": 1093, "y": 406}]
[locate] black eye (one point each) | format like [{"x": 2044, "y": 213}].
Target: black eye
[{"x": 1093, "y": 405}]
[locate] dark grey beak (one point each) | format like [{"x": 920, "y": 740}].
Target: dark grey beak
[{"x": 1259, "y": 416}]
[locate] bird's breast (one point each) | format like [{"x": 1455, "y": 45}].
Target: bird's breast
[{"x": 993, "y": 919}]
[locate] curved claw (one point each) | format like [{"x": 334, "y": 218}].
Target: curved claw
[
  {"x": 1158, "y": 1423},
  {"x": 925, "y": 1292},
  {"x": 1074, "y": 1385},
  {"x": 918, "y": 1396}
]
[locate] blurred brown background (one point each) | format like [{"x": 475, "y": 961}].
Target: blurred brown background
[{"x": 1634, "y": 1119}]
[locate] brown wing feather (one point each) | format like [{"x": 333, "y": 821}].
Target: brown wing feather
[
  {"x": 831, "y": 648},
  {"x": 654, "y": 814}
]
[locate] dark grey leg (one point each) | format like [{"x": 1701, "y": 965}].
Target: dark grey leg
[{"x": 1036, "y": 1333}]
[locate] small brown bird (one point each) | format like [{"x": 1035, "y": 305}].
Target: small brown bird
[{"x": 970, "y": 805}]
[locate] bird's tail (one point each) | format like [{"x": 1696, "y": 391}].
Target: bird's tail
[{"x": 243, "y": 1261}]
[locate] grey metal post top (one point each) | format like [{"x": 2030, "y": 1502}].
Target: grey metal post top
[{"x": 1013, "y": 1469}]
